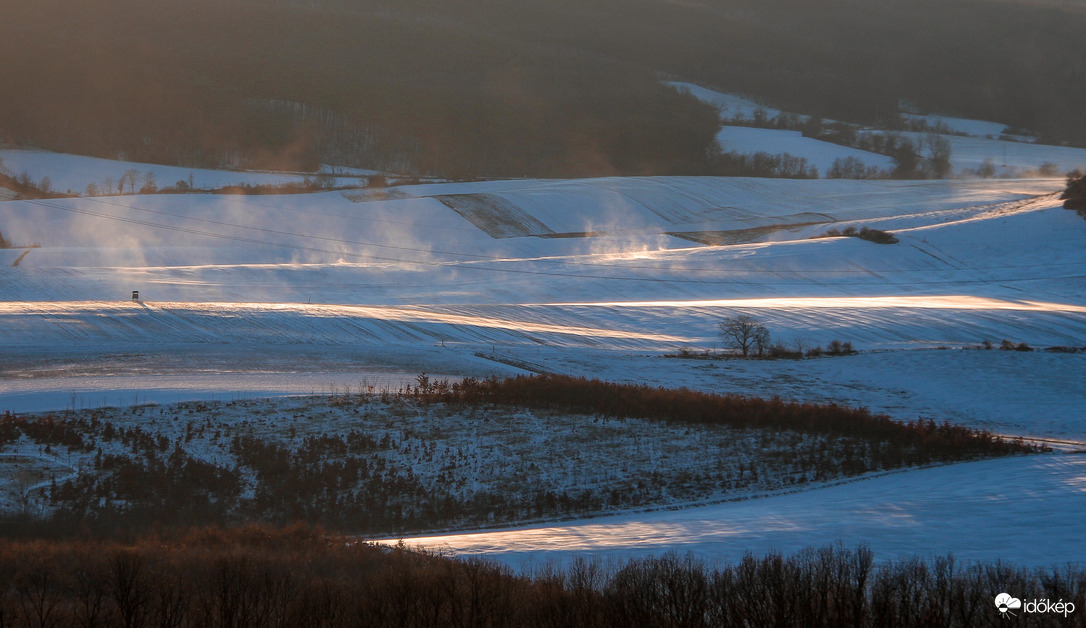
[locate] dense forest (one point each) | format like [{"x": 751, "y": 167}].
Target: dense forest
[{"x": 507, "y": 87}]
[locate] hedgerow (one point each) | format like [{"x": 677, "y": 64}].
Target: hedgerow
[{"x": 914, "y": 442}]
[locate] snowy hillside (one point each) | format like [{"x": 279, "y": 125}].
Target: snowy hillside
[
  {"x": 246, "y": 296},
  {"x": 975, "y": 511},
  {"x": 975, "y": 144},
  {"x": 647, "y": 262},
  {"x": 610, "y": 264}
]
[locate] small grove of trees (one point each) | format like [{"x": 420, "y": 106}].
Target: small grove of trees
[
  {"x": 760, "y": 164},
  {"x": 747, "y": 336},
  {"x": 925, "y": 158},
  {"x": 853, "y": 168},
  {"x": 25, "y": 187},
  {"x": 744, "y": 334},
  {"x": 1074, "y": 196}
]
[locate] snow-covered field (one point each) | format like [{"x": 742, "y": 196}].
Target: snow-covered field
[
  {"x": 1024, "y": 511},
  {"x": 243, "y": 296},
  {"x": 974, "y": 143},
  {"x": 74, "y": 173},
  {"x": 467, "y": 455},
  {"x": 749, "y": 140}
]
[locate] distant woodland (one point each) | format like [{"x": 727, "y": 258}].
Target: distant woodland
[{"x": 510, "y": 87}]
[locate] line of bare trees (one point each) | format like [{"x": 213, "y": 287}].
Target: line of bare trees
[{"x": 298, "y": 576}]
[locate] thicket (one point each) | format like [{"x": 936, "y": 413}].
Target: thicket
[
  {"x": 915, "y": 442},
  {"x": 258, "y": 576},
  {"x": 762, "y": 164},
  {"x": 871, "y": 235},
  {"x": 1074, "y": 195},
  {"x": 926, "y": 159},
  {"x": 25, "y": 187}
]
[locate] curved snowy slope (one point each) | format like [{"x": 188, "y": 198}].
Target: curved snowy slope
[
  {"x": 683, "y": 204},
  {"x": 976, "y": 260},
  {"x": 1025, "y": 511},
  {"x": 596, "y": 277},
  {"x": 447, "y": 222},
  {"x": 822, "y": 155}
]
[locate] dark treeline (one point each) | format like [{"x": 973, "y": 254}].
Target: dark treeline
[
  {"x": 271, "y": 86},
  {"x": 1020, "y": 62},
  {"x": 500, "y": 88},
  {"x": 298, "y": 576},
  {"x": 917, "y": 442}
]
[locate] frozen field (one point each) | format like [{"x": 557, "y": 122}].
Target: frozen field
[
  {"x": 249, "y": 296},
  {"x": 974, "y": 143},
  {"x": 1025, "y": 511}
]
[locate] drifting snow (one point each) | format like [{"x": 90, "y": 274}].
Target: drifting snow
[{"x": 246, "y": 296}]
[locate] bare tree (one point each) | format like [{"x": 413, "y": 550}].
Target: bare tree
[
  {"x": 128, "y": 178},
  {"x": 744, "y": 333},
  {"x": 150, "y": 186},
  {"x": 939, "y": 152}
]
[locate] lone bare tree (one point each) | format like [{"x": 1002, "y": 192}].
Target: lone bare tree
[
  {"x": 939, "y": 152},
  {"x": 744, "y": 333}
]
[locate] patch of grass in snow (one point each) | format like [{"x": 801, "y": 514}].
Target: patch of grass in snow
[{"x": 441, "y": 456}]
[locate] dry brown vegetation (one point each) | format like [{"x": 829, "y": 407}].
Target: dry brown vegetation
[
  {"x": 299, "y": 576},
  {"x": 441, "y": 456},
  {"x": 916, "y": 442}
]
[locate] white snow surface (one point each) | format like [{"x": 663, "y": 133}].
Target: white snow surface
[
  {"x": 750, "y": 140},
  {"x": 973, "y": 142},
  {"x": 1025, "y": 511},
  {"x": 245, "y": 296},
  {"x": 974, "y": 128},
  {"x": 1007, "y": 157},
  {"x": 729, "y": 105}
]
